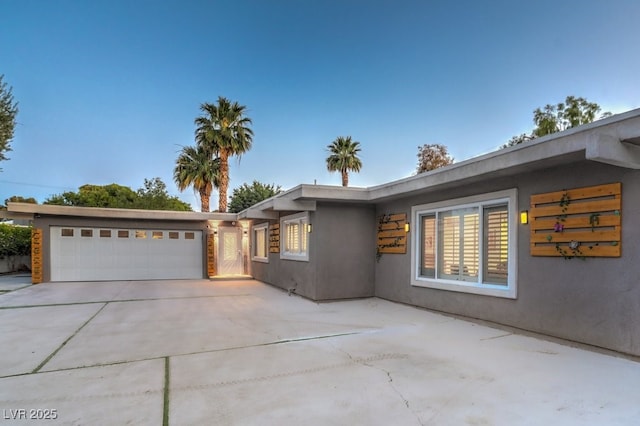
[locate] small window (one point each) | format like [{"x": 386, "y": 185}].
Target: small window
[
  {"x": 123, "y": 234},
  {"x": 189, "y": 236},
  {"x": 86, "y": 233},
  {"x": 295, "y": 239},
  {"x": 174, "y": 235},
  {"x": 156, "y": 235},
  {"x": 141, "y": 234},
  {"x": 260, "y": 247},
  {"x": 66, "y": 232},
  {"x": 105, "y": 233}
]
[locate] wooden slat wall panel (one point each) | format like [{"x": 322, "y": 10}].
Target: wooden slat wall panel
[
  {"x": 274, "y": 238},
  {"x": 576, "y": 207},
  {"x": 211, "y": 255},
  {"x": 392, "y": 238},
  {"x": 578, "y": 193},
  {"x": 36, "y": 256},
  {"x": 589, "y": 216},
  {"x": 594, "y": 251}
]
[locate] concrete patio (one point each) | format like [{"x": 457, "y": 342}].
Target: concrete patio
[{"x": 242, "y": 352}]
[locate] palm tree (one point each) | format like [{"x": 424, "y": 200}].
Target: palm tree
[
  {"x": 224, "y": 129},
  {"x": 343, "y": 157},
  {"x": 197, "y": 167}
]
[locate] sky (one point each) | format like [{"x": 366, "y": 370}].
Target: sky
[{"x": 108, "y": 90}]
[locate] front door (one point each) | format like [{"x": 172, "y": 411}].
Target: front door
[{"x": 230, "y": 260}]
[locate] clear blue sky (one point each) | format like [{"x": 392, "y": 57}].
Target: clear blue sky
[{"x": 108, "y": 90}]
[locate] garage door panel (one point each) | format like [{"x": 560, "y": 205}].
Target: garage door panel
[{"x": 122, "y": 254}]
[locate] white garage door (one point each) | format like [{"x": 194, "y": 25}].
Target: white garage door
[{"x": 103, "y": 254}]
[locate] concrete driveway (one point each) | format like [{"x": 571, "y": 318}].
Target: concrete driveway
[{"x": 201, "y": 352}]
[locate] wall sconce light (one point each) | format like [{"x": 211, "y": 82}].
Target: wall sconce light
[
  {"x": 215, "y": 231},
  {"x": 524, "y": 217},
  {"x": 406, "y": 227},
  {"x": 246, "y": 232},
  {"x": 309, "y": 228}
]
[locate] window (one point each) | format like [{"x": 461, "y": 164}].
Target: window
[
  {"x": 156, "y": 235},
  {"x": 173, "y": 235},
  {"x": 141, "y": 234},
  {"x": 189, "y": 235},
  {"x": 294, "y": 237},
  {"x": 467, "y": 245},
  {"x": 260, "y": 249},
  {"x": 123, "y": 233},
  {"x": 86, "y": 232},
  {"x": 105, "y": 233},
  {"x": 66, "y": 232}
]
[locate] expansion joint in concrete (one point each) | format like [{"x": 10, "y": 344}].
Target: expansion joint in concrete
[
  {"x": 167, "y": 375},
  {"x": 47, "y": 359},
  {"x": 93, "y": 302}
]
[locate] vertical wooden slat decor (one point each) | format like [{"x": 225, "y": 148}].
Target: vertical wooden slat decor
[
  {"x": 211, "y": 255},
  {"x": 36, "y": 256},
  {"x": 274, "y": 238},
  {"x": 392, "y": 238},
  {"x": 582, "y": 222}
]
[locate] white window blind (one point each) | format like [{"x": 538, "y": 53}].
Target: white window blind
[
  {"x": 496, "y": 236},
  {"x": 458, "y": 248},
  {"x": 295, "y": 237}
]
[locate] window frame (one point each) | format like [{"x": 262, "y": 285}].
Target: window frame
[
  {"x": 302, "y": 219},
  {"x": 263, "y": 227},
  {"x": 481, "y": 202}
]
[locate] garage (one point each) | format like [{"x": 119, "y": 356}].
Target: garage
[{"x": 111, "y": 254}]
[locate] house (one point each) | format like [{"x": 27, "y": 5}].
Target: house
[{"x": 541, "y": 236}]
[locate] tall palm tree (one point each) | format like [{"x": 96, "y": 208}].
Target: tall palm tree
[
  {"x": 225, "y": 130},
  {"x": 343, "y": 157},
  {"x": 197, "y": 166}
]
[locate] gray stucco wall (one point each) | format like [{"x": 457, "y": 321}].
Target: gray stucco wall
[
  {"x": 345, "y": 247},
  {"x": 45, "y": 222},
  {"x": 341, "y": 256},
  {"x": 594, "y": 301}
]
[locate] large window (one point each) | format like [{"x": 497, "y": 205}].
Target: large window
[
  {"x": 467, "y": 245},
  {"x": 260, "y": 249},
  {"x": 293, "y": 239}
]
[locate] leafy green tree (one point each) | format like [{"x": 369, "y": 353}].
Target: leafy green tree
[
  {"x": 574, "y": 111},
  {"x": 432, "y": 156},
  {"x": 15, "y": 240},
  {"x": 516, "y": 140},
  {"x": 246, "y": 195},
  {"x": 20, "y": 199},
  {"x": 113, "y": 195},
  {"x": 196, "y": 166},
  {"x": 8, "y": 112},
  {"x": 343, "y": 157},
  {"x": 225, "y": 130},
  {"x": 152, "y": 197}
]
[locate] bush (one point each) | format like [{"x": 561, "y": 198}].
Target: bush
[{"x": 15, "y": 240}]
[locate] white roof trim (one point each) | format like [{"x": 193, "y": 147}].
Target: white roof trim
[{"x": 110, "y": 213}]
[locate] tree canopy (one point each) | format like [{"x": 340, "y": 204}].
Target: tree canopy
[
  {"x": 574, "y": 111},
  {"x": 8, "y": 112},
  {"x": 246, "y": 195},
  {"x": 153, "y": 196},
  {"x": 20, "y": 199},
  {"x": 343, "y": 157},
  {"x": 432, "y": 156},
  {"x": 224, "y": 129}
]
